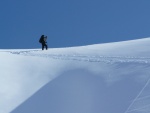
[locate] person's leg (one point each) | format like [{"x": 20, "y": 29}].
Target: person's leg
[
  {"x": 42, "y": 46},
  {"x": 46, "y": 46}
]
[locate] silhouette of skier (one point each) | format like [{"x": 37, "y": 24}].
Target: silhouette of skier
[{"x": 43, "y": 41}]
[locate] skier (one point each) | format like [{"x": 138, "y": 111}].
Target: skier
[{"x": 43, "y": 42}]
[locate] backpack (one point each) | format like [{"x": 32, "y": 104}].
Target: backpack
[{"x": 40, "y": 40}]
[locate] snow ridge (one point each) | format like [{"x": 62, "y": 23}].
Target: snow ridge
[
  {"x": 118, "y": 69},
  {"x": 137, "y": 105}
]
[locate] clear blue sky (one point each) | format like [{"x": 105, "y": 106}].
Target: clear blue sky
[{"x": 72, "y": 22}]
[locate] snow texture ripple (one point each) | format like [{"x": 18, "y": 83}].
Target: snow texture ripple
[{"x": 87, "y": 58}]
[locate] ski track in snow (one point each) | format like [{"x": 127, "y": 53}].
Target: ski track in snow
[
  {"x": 87, "y": 58},
  {"x": 137, "y": 108}
]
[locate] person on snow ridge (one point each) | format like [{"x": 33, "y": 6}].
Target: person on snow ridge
[{"x": 43, "y": 41}]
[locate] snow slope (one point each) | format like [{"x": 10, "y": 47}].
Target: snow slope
[{"x": 100, "y": 78}]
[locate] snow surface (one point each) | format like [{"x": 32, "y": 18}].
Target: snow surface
[{"x": 100, "y": 78}]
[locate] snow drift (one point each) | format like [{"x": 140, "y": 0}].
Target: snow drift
[{"x": 106, "y": 78}]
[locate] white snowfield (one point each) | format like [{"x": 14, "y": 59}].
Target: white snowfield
[{"x": 100, "y": 78}]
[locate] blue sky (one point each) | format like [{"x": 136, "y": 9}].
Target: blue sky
[{"x": 72, "y": 22}]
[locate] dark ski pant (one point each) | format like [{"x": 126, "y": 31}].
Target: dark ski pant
[{"x": 44, "y": 45}]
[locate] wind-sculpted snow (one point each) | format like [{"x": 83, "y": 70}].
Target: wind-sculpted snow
[
  {"x": 141, "y": 103},
  {"x": 103, "y": 78},
  {"x": 86, "y": 58}
]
